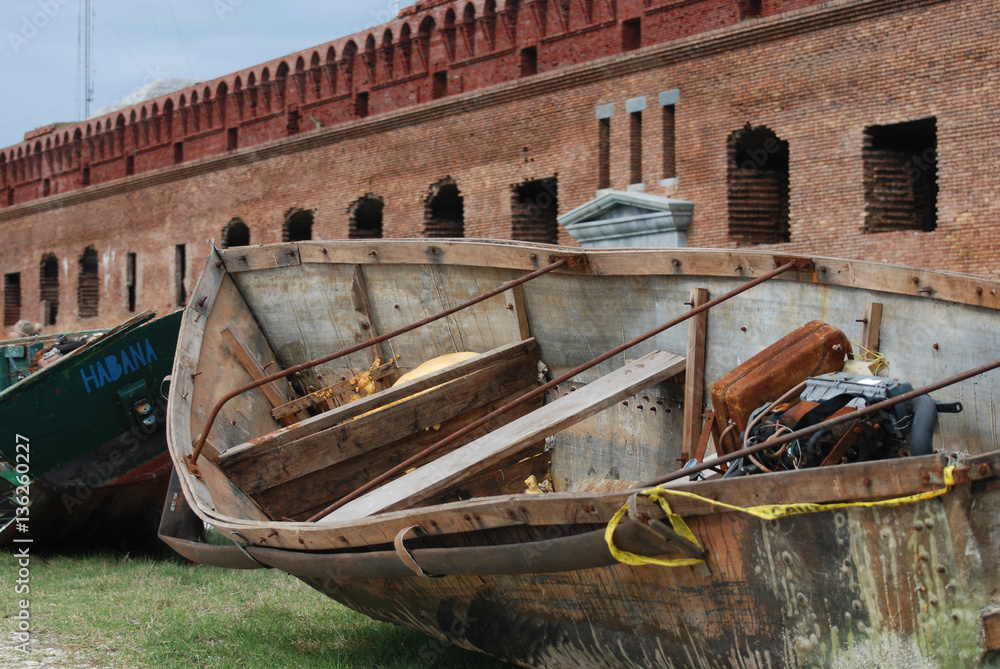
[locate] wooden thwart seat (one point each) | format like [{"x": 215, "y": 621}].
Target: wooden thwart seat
[
  {"x": 361, "y": 427},
  {"x": 431, "y": 479}
]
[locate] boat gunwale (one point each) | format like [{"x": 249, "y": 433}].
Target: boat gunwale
[{"x": 514, "y": 256}]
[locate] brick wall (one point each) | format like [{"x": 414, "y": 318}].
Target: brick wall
[{"x": 817, "y": 77}]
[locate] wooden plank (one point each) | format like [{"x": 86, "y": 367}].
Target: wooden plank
[
  {"x": 872, "y": 326},
  {"x": 432, "y": 479},
  {"x": 365, "y": 316},
  {"x": 861, "y": 481},
  {"x": 517, "y": 302},
  {"x": 219, "y": 372},
  {"x": 306, "y": 495},
  {"x": 694, "y": 386},
  {"x": 272, "y": 391},
  {"x": 246, "y": 258},
  {"x": 329, "y": 419},
  {"x": 266, "y": 467},
  {"x": 944, "y": 285}
]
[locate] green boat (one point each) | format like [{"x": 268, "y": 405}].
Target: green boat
[{"x": 83, "y": 459}]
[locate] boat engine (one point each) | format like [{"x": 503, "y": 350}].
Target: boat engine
[{"x": 905, "y": 429}]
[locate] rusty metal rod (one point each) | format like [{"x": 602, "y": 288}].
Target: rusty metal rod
[
  {"x": 830, "y": 422},
  {"x": 378, "y": 480},
  {"x": 193, "y": 458}
]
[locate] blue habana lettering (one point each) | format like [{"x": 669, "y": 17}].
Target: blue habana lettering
[
  {"x": 102, "y": 375},
  {"x": 127, "y": 365},
  {"x": 150, "y": 353},
  {"x": 138, "y": 357},
  {"x": 114, "y": 369},
  {"x": 87, "y": 379}
]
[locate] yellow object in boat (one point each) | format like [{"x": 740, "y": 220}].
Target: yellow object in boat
[{"x": 434, "y": 364}]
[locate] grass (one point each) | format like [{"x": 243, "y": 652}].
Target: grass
[{"x": 119, "y": 612}]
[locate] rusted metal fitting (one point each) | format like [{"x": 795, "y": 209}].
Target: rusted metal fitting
[
  {"x": 573, "y": 260},
  {"x": 801, "y": 264}
]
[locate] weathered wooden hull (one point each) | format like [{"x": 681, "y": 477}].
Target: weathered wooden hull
[
  {"x": 831, "y": 589},
  {"x": 97, "y": 478},
  {"x": 909, "y": 581}
]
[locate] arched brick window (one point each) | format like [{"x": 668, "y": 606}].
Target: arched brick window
[
  {"x": 388, "y": 52},
  {"x": 330, "y": 67},
  {"x": 366, "y": 217},
  {"x": 423, "y": 40},
  {"x": 368, "y": 58},
  {"x": 758, "y": 186},
  {"x": 316, "y": 75},
  {"x": 347, "y": 65},
  {"x": 48, "y": 282},
  {"x": 489, "y": 23},
  {"x": 444, "y": 210},
  {"x": 448, "y": 31},
  {"x": 469, "y": 29},
  {"x": 88, "y": 292},
  {"x": 281, "y": 80},
  {"x": 298, "y": 225},
  {"x": 236, "y": 233},
  {"x": 405, "y": 48}
]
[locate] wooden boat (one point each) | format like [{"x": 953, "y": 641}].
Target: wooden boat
[
  {"x": 890, "y": 549},
  {"x": 83, "y": 457}
]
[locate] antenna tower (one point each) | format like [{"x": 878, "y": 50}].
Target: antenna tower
[{"x": 85, "y": 58}]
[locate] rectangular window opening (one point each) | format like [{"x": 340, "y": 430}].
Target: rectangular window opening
[
  {"x": 440, "y": 88},
  {"x": 669, "y": 151},
  {"x": 180, "y": 272},
  {"x": 85, "y": 181},
  {"x": 361, "y": 104},
  {"x": 46, "y": 188},
  {"x": 529, "y": 61},
  {"x": 129, "y": 165},
  {"x": 635, "y": 147},
  {"x": 130, "y": 281},
  {"x": 535, "y": 211},
  {"x": 11, "y": 298},
  {"x": 631, "y": 34},
  {"x": 178, "y": 153},
  {"x": 604, "y": 153},
  {"x": 900, "y": 176},
  {"x": 232, "y": 139}
]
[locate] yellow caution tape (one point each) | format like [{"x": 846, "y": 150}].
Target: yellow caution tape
[{"x": 766, "y": 512}]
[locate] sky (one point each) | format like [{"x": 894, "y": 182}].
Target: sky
[{"x": 138, "y": 41}]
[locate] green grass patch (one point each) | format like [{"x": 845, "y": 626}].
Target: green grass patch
[{"x": 120, "y": 612}]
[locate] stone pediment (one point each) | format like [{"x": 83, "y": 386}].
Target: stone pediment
[{"x": 630, "y": 219}]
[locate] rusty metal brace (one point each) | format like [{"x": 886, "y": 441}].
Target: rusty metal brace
[
  {"x": 404, "y": 555},
  {"x": 660, "y": 528}
]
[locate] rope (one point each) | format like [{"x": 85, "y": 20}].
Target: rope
[{"x": 765, "y": 512}]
